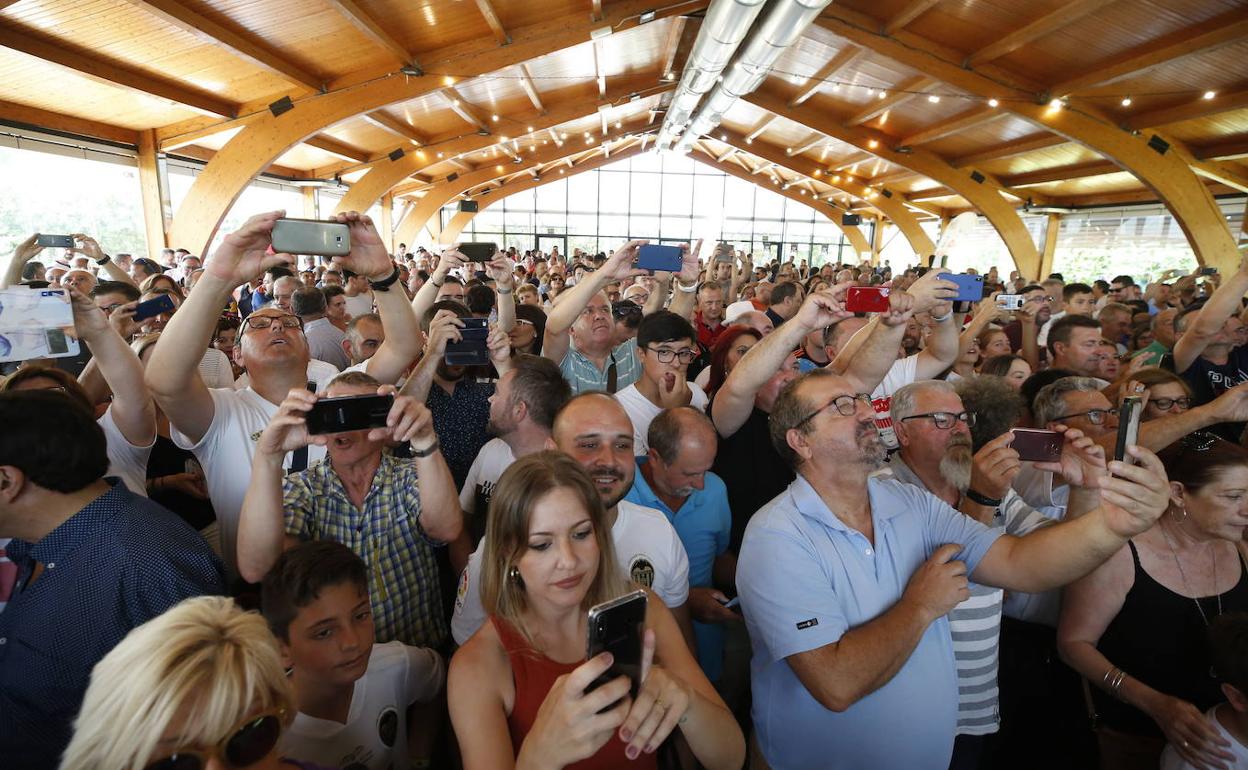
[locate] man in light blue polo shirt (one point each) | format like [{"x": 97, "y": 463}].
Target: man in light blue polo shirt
[
  {"x": 674, "y": 477},
  {"x": 580, "y": 330},
  {"x": 845, "y": 582}
]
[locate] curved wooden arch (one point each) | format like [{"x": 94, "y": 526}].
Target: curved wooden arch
[
  {"x": 1164, "y": 166},
  {"x": 265, "y": 136}
]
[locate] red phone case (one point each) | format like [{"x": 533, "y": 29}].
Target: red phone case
[
  {"x": 866, "y": 299},
  {"x": 1037, "y": 445}
]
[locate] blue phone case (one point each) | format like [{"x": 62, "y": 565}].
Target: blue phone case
[
  {"x": 970, "y": 287},
  {"x": 153, "y": 308},
  {"x": 657, "y": 257}
]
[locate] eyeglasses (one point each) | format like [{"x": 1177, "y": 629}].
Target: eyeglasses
[
  {"x": 945, "y": 420},
  {"x": 665, "y": 356},
  {"x": 266, "y": 321},
  {"x": 1165, "y": 404},
  {"x": 1095, "y": 416},
  {"x": 246, "y": 745},
  {"x": 846, "y": 405}
]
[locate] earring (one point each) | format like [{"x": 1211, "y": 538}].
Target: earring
[{"x": 513, "y": 575}]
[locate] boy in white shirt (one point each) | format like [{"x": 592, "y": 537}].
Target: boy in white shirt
[
  {"x": 356, "y": 700},
  {"x": 1228, "y": 647},
  {"x": 666, "y": 345}
]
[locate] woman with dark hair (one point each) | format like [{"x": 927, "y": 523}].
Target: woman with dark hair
[
  {"x": 733, "y": 343},
  {"x": 526, "y": 335},
  {"x": 519, "y": 688},
  {"x": 1135, "y": 627},
  {"x": 1013, "y": 369},
  {"x": 1168, "y": 393}
]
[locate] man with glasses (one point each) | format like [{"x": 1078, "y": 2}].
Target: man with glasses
[
  {"x": 666, "y": 344},
  {"x": 846, "y": 582},
  {"x": 220, "y": 425}
]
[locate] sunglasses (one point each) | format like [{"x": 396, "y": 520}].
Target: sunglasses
[{"x": 247, "y": 744}]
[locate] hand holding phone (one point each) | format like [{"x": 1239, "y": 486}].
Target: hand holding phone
[
  {"x": 618, "y": 627},
  {"x": 1044, "y": 446},
  {"x": 1128, "y": 426},
  {"x": 660, "y": 257},
  {"x": 55, "y": 241},
  {"x": 478, "y": 252},
  {"x": 471, "y": 348},
  {"x": 348, "y": 413}
]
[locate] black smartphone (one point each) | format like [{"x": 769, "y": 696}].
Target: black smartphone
[
  {"x": 1208, "y": 270},
  {"x": 478, "y": 252},
  {"x": 344, "y": 413},
  {"x": 659, "y": 257},
  {"x": 471, "y": 349},
  {"x": 55, "y": 241},
  {"x": 1128, "y": 426},
  {"x": 1044, "y": 446},
  {"x": 618, "y": 627},
  {"x": 153, "y": 307}
]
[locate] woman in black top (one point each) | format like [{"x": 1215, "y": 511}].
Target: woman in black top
[{"x": 1136, "y": 626}]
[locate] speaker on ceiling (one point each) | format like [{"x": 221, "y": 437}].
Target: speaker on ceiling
[
  {"x": 469, "y": 206},
  {"x": 851, "y": 220}
]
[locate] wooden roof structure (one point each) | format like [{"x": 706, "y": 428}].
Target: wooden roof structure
[{"x": 898, "y": 109}]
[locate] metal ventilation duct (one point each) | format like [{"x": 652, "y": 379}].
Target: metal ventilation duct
[
  {"x": 724, "y": 27},
  {"x": 784, "y": 22}
]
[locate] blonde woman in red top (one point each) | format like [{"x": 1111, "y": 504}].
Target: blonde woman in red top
[{"x": 517, "y": 687}]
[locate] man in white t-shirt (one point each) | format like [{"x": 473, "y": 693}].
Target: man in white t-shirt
[
  {"x": 360, "y": 298},
  {"x": 666, "y": 345},
  {"x": 221, "y": 425},
  {"x": 595, "y": 431}
]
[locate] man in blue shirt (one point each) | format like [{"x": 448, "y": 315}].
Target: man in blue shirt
[
  {"x": 674, "y": 477},
  {"x": 93, "y": 561},
  {"x": 845, "y": 582}
]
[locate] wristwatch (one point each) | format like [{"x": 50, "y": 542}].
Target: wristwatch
[
  {"x": 385, "y": 283},
  {"x": 104, "y": 260}
]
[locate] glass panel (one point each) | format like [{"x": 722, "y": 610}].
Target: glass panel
[
  {"x": 586, "y": 243},
  {"x": 583, "y": 193},
  {"x": 552, "y": 196},
  {"x": 738, "y": 198},
  {"x": 521, "y": 201},
  {"x": 643, "y": 227},
  {"x": 768, "y": 205},
  {"x": 613, "y": 195},
  {"x": 647, "y": 161},
  {"x": 644, "y": 197},
  {"x": 552, "y": 222},
  {"x": 679, "y": 164},
  {"x": 677, "y": 194},
  {"x": 610, "y": 224},
  {"x": 585, "y": 224},
  {"x": 675, "y": 227}
]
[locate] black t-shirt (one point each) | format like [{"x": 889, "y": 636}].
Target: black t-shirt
[
  {"x": 1209, "y": 380},
  {"x": 752, "y": 471}
]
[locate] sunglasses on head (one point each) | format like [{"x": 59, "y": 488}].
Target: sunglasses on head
[{"x": 247, "y": 744}]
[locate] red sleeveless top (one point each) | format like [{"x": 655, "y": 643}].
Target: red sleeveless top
[{"x": 534, "y": 674}]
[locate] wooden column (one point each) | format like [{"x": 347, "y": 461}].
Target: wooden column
[
  {"x": 309, "y": 203},
  {"x": 877, "y": 241},
  {"x": 386, "y": 225},
  {"x": 1051, "y": 228},
  {"x": 154, "y": 197}
]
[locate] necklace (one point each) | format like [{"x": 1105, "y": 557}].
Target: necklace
[{"x": 1183, "y": 576}]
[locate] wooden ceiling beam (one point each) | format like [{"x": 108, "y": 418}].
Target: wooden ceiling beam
[
  {"x": 491, "y": 18},
  {"x": 1191, "y": 109},
  {"x": 1233, "y": 147},
  {"x": 466, "y": 111},
  {"x": 842, "y": 59},
  {"x": 336, "y": 147},
  {"x": 111, "y": 73},
  {"x": 762, "y": 126},
  {"x": 908, "y": 13},
  {"x": 530, "y": 90},
  {"x": 596, "y": 10},
  {"x": 1047, "y": 24},
  {"x": 895, "y": 97},
  {"x": 598, "y": 73},
  {"x": 670, "y": 48},
  {"x": 976, "y": 116},
  {"x": 1222, "y": 172},
  {"x": 853, "y": 160},
  {"x": 372, "y": 29},
  {"x": 402, "y": 128},
  {"x": 21, "y": 114},
  {"x": 1061, "y": 173},
  {"x": 814, "y": 142},
  {"x": 930, "y": 193},
  {"x": 1010, "y": 149},
  {"x": 1222, "y": 30},
  {"x": 236, "y": 42}
]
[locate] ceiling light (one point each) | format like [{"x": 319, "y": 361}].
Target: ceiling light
[
  {"x": 883, "y": 93},
  {"x": 646, "y": 17},
  {"x": 619, "y": 124},
  {"x": 499, "y": 169},
  {"x": 448, "y": 81},
  {"x": 934, "y": 99},
  {"x": 1126, "y": 102},
  {"x": 529, "y": 129},
  {"x": 494, "y": 118},
  {"x": 669, "y": 76},
  {"x": 1056, "y": 104},
  {"x": 560, "y": 171},
  {"x": 1210, "y": 94},
  {"x": 873, "y": 144},
  {"x": 836, "y": 87},
  {"x": 748, "y": 140},
  {"x": 993, "y": 103}
]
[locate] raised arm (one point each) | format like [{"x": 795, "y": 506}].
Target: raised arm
[
  {"x": 132, "y": 408},
  {"x": 735, "y": 398},
  {"x": 1205, "y": 324},
  {"x": 1131, "y": 501},
  {"x": 428, "y": 293},
  {"x": 658, "y": 293},
  {"x": 411, "y": 421},
  {"x": 500, "y": 270},
  {"x": 25, "y": 251},
  {"x": 875, "y": 355},
  {"x": 618, "y": 266},
  {"x": 443, "y": 328},
  {"x": 91, "y": 249},
  {"x": 685, "y": 297},
  {"x": 173, "y": 371}
]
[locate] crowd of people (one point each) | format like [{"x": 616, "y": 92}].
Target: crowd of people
[{"x": 845, "y": 559}]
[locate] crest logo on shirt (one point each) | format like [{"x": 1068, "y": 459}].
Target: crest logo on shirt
[
  {"x": 388, "y": 726},
  {"x": 461, "y": 593},
  {"x": 641, "y": 570}
]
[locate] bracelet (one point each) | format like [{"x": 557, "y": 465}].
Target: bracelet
[
  {"x": 1112, "y": 680},
  {"x": 503, "y": 292},
  {"x": 434, "y": 281},
  {"x": 686, "y": 289},
  {"x": 104, "y": 260},
  {"x": 943, "y": 318},
  {"x": 982, "y": 499},
  {"x": 385, "y": 283},
  {"x": 422, "y": 453}
]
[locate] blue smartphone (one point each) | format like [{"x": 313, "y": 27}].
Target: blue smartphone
[
  {"x": 970, "y": 287},
  {"x": 153, "y": 307},
  {"x": 656, "y": 257}
]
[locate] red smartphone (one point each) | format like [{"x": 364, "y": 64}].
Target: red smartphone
[
  {"x": 867, "y": 299},
  {"x": 1043, "y": 446}
]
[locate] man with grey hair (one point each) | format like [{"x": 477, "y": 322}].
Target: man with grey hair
[
  {"x": 845, "y": 582},
  {"x": 324, "y": 339},
  {"x": 284, "y": 289}
]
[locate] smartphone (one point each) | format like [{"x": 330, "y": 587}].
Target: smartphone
[
  {"x": 153, "y": 307},
  {"x": 617, "y": 627},
  {"x": 1011, "y": 301},
  {"x": 723, "y": 252},
  {"x": 656, "y": 257},
  {"x": 1208, "y": 270},
  {"x": 471, "y": 349},
  {"x": 970, "y": 287},
  {"x": 867, "y": 299},
  {"x": 344, "y": 413},
  {"x": 1128, "y": 426},
  {"x": 478, "y": 252},
  {"x": 310, "y": 236},
  {"x": 1042, "y": 446},
  {"x": 56, "y": 241}
]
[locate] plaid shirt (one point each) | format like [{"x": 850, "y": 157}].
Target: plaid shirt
[
  {"x": 402, "y": 572},
  {"x": 584, "y": 375}
]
